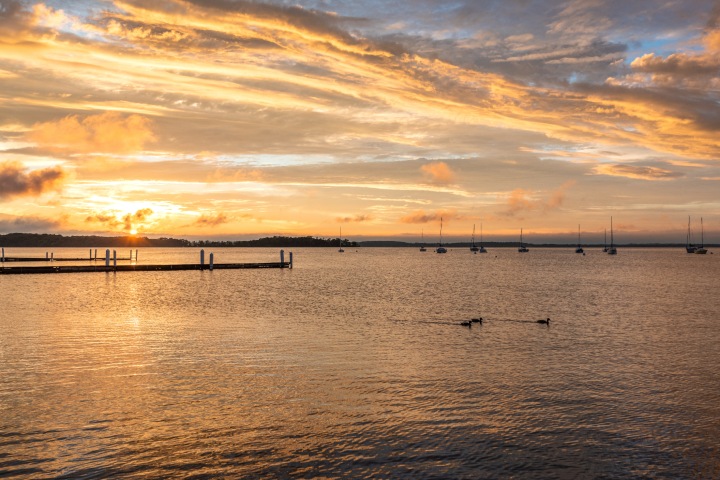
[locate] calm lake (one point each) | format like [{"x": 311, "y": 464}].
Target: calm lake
[{"x": 354, "y": 365}]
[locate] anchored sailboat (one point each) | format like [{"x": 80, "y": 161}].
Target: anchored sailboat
[
  {"x": 440, "y": 248},
  {"x": 611, "y": 249},
  {"x": 701, "y": 249},
  {"x": 482, "y": 249},
  {"x": 522, "y": 248},
  {"x": 474, "y": 248},
  {"x": 422, "y": 242},
  {"x": 341, "y": 249},
  {"x": 605, "y": 249},
  {"x": 579, "y": 248},
  {"x": 690, "y": 247}
]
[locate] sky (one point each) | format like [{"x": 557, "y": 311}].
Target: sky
[{"x": 235, "y": 119}]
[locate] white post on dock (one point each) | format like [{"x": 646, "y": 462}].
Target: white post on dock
[
  {"x": 211, "y": 260},
  {"x": 107, "y": 258},
  {"x": 291, "y": 260},
  {"x": 202, "y": 259},
  {"x": 282, "y": 258}
]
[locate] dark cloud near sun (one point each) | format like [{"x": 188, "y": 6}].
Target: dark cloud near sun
[{"x": 16, "y": 181}]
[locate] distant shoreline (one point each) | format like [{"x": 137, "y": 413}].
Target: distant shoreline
[{"x": 38, "y": 240}]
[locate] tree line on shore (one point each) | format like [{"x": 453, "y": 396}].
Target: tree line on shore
[{"x": 19, "y": 240}]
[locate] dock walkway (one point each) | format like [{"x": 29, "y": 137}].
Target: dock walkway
[
  {"x": 107, "y": 266},
  {"x": 137, "y": 268}
]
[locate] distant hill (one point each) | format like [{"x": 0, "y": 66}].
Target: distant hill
[{"x": 90, "y": 241}]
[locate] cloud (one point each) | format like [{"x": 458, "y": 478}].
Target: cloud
[
  {"x": 211, "y": 220},
  {"x": 128, "y": 222},
  {"x": 420, "y": 216},
  {"x": 438, "y": 172},
  {"x": 521, "y": 200},
  {"x": 356, "y": 219},
  {"x": 15, "y": 182},
  {"x": 29, "y": 225},
  {"x": 109, "y": 132},
  {"x": 637, "y": 172}
]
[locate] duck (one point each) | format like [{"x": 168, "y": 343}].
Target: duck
[
  {"x": 544, "y": 322},
  {"x": 466, "y": 324},
  {"x": 477, "y": 320}
]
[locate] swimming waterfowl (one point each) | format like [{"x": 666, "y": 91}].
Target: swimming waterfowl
[
  {"x": 477, "y": 320},
  {"x": 466, "y": 324},
  {"x": 544, "y": 322}
]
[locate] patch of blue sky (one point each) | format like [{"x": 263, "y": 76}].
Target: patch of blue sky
[{"x": 268, "y": 160}]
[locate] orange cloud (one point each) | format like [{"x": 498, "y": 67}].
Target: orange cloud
[
  {"x": 355, "y": 219},
  {"x": 640, "y": 173},
  {"x": 438, "y": 172},
  {"x": 421, "y": 216},
  {"x": 211, "y": 221},
  {"x": 109, "y": 132},
  {"x": 128, "y": 221},
  {"x": 14, "y": 182},
  {"x": 520, "y": 200}
]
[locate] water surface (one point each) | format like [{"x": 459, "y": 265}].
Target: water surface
[{"x": 354, "y": 365}]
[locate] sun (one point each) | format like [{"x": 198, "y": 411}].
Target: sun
[{"x": 133, "y": 231}]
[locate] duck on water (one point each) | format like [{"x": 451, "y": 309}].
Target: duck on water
[{"x": 544, "y": 322}]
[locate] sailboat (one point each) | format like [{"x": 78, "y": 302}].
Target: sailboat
[
  {"x": 440, "y": 248},
  {"x": 482, "y": 249},
  {"x": 701, "y": 249},
  {"x": 422, "y": 242},
  {"x": 522, "y": 248},
  {"x": 605, "y": 249},
  {"x": 611, "y": 249},
  {"x": 341, "y": 249},
  {"x": 689, "y": 246},
  {"x": 474, "y": 248},
  {"x": 579, "y": 248}
]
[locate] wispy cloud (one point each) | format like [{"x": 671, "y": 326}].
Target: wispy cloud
[{"x": 637, "y": 172}]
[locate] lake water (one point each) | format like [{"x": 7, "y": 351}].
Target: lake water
[{"x": 354, "y": 365}]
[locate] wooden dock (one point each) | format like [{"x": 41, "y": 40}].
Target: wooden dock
[
  {"x": 137, "y": 268},
  {"x": 107, "y": 266}
]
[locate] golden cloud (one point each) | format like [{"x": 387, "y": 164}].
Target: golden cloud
[
  {"x": 438, "y": 172},
  {"x": 640, "y": 173},
  {"x": 521, "y": 200},
  {"x": 355, "y": 219},
  {"x": 15, "y": 182},
  {"x": 109, "y": 132},
  {"x": 128, "y": 222},
  {"x": 420, "y": 216},
  {"x": 211, "y": 220}
]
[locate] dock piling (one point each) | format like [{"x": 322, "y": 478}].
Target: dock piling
[
  {"x": 211, "y": 261},
  {"x": 136, "y": 255},
  {"x": 290, "y": 260},
  {"x": 107, "y": 258},
  {"x": 96, "y": 254},
  {"x": 115, "y": 260},
  {"x": 202, "y": 259},
  {"x": 91, "y": 254},
  {"x": 3, "y": 254},
  {"x": 282, "y": 257}
]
